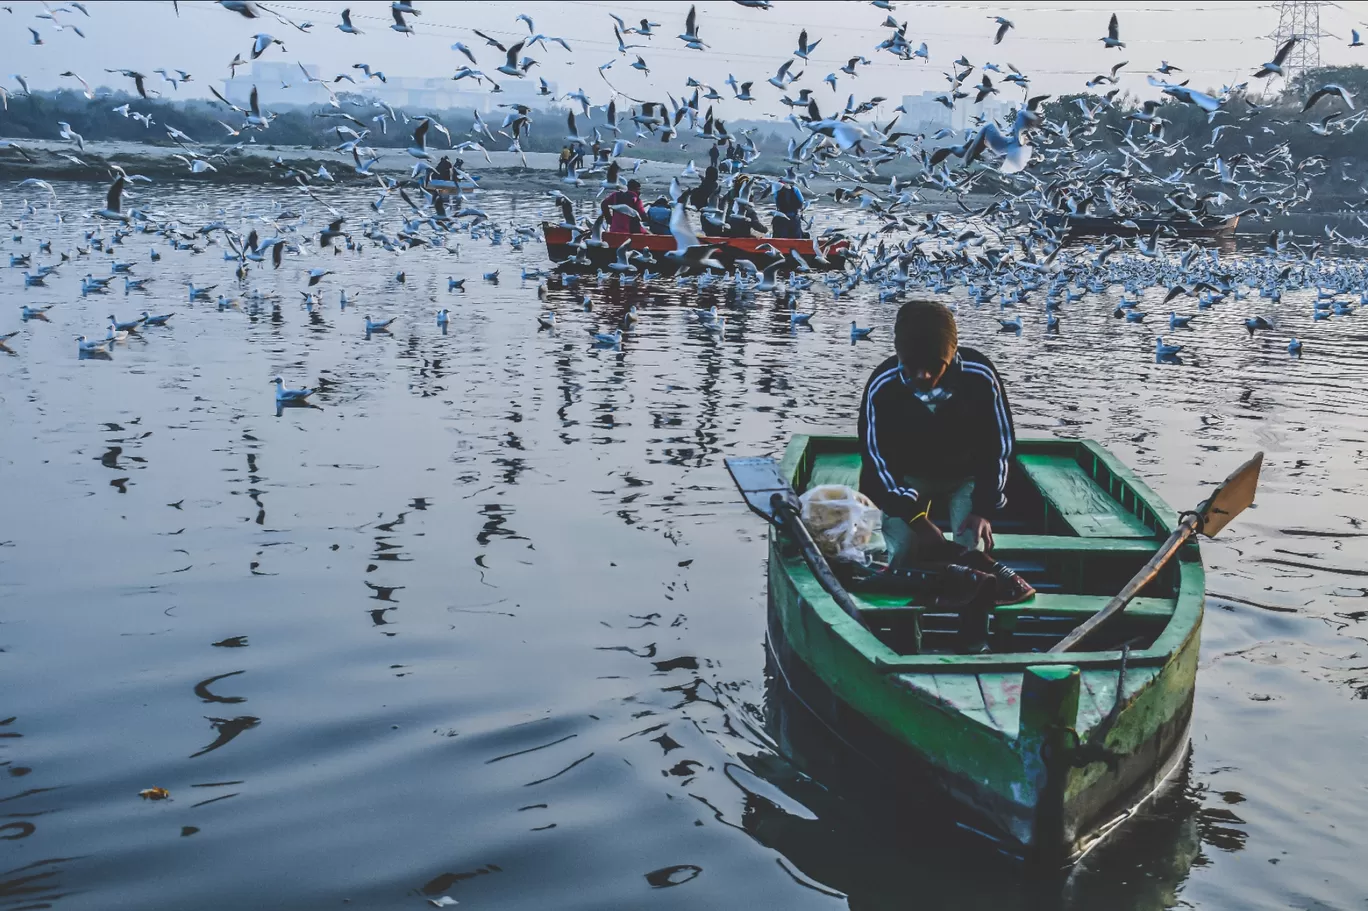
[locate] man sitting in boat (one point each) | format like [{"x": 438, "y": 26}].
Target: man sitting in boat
[
  {"x": 935, "y": 425},
  {"x": 705, "y": 194},
  {"x": 658, "y": 216},
  {"x": 788, "y": 202},
  {"x": 744, "y": 221},
  {"x": 443, "y": 170},
  {"x": 616, "y": 208}
]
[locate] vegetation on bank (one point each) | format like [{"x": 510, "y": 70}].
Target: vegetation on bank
[{"x": 1321, "y": 143}]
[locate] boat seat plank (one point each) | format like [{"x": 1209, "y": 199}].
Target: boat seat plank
[
  {"x": 876, "y": 605},
  {"x": 1032, "y": 544},
  {"x": 836, "y": 468},
  {"x": 1079, "y": 500},
  {"x": 1086, "y": 605},
  {"x": 961, "y": 693},
  {"x": 924, "y": 684},
  {"x": 1002, "y": 700}
]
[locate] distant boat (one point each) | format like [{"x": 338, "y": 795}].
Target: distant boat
[
  {"x": 728, "y": 249},
  {"x": 1132, "y": 227}
]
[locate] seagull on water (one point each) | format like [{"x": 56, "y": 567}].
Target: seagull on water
[
  {"x": 130, "y": 326},
  {"x": 1294, "y": 347},
  {"x": 289, "y": 395},
  {"x": 1163, "y": 349},
  {"x": 160, "y": 320},
  {"x": 857, "y": 333},
  {"x": 382, "y": 326}
]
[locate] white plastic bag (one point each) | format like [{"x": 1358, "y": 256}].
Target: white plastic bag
[{"x": 844, "y": 522}]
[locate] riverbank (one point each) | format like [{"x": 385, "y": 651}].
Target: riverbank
[
  {"x": 262, "y": 163},
  {"x": 258, "y": 163}
]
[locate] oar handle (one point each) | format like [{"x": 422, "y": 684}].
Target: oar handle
[{"x": 1116, "y": 605}]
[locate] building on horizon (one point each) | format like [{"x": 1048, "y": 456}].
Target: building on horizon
[
  {"x": 283, "y": 84},
  {"x": 925, "y": 113}
]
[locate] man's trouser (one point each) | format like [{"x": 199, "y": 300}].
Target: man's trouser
[{"x": 956, "y": 493}]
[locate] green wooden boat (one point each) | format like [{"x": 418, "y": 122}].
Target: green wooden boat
[{"x": 1044, "y": 753}]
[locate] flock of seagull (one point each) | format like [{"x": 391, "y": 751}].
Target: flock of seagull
[{"x": 1009, "y": 252}]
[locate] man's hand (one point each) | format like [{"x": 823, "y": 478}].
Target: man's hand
[{"x": 980, "y": 528}]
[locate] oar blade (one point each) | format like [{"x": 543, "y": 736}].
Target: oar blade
[
  {"x": 1232, "y": 497},
  {"x": 759, "y": 479}
]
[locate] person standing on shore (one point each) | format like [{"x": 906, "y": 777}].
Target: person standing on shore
[{"x": 564, "y": 167}]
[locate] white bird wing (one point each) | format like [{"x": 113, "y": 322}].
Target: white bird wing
[{"x": 680, "y": 229}]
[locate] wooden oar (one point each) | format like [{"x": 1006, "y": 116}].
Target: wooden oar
[
  {"x": 1230, "y": 499},
  {"x": 770, "y": 496}
]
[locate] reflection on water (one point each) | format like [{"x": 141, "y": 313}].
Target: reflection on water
[{"x": 487, "y": 620}]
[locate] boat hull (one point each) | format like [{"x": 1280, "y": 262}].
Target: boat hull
[
  {"x": 890, "y": 765},
  {"x": 819, "y": 255},
  {"x": 964, "y": 732}
]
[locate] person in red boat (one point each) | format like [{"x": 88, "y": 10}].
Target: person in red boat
[{"x": 620, "y": 221}]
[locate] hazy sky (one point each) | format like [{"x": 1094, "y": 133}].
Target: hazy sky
[{"x": 1056, "y": 44}]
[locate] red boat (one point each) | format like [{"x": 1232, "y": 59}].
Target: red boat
[{"x": 760, "y": 250}]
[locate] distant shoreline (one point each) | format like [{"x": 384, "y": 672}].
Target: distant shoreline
[{"x": 257, "y": 164}]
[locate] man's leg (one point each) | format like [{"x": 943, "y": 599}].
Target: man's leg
[
  {"x": 898, "y": 538},
  {"x": 961, "y": 504}
]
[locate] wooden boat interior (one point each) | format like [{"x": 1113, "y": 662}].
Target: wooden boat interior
[{"x": 1078, "y": 526}]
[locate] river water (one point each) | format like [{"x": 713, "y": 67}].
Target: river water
[{"x": 488, "y": 622}]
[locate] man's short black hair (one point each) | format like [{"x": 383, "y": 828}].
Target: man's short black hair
[{"x": 925, "y": 334}]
